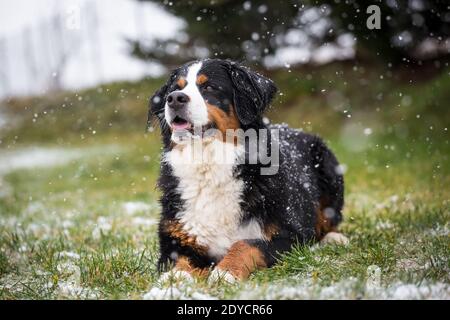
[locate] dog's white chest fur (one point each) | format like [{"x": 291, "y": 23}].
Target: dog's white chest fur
[{"x": 211, "y": 195}]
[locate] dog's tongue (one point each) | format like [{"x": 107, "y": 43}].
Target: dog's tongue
[{"x": 181, "y": 125}]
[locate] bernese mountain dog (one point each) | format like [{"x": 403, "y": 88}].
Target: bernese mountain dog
[{"x": 226, "y": 219}]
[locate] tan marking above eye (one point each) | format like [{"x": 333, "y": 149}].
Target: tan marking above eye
[
  {"x": 201, "y": 79},
  {"x": 181, "y": 82}
]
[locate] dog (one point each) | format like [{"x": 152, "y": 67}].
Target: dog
[{"x": 225, "y": 219}]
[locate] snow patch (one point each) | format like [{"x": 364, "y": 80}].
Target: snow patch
[
  {"x": 439, "y": 231},
  {"x": 384, "y": 225},
  {"x": 409, "y": 264},
  {"x": 133, "y": 207},
  {"x": 70, "y": 286},
  {"x": 176, "y": 293},
  {"x": 39, "y": 229},
  {"x": 68, "y": 255},
  {"x": 102, "y": 226},
  {"x": 34, "y": 157},
  {"x": 38, "y": 157},
  {"x": 306, "y": 289},
  {"x": 346, "y": 289},
  {"x": 70, "y": 289},
  {"x": 405, "y": 291},
  {"x": 145, "y": 222},
  {"x": 163, "y": 293}
]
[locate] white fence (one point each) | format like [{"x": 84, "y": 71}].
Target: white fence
[
  {"x": 80, "y": 46},
  {"x": 32, "y": 61}
]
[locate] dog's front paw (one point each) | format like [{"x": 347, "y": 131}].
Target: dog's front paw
[
  {"x": 335, "y": 238},
  {"x": 218, "y": 275},
  {"x": 175, "y": 276}
]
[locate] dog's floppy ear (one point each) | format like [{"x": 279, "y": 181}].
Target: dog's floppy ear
[
  {"x": 156, "y": 104},
  {"x": 252, "y": 93},
  {"x": 157, "y": 101}
]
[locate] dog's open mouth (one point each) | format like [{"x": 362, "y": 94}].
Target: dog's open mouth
[{"x": 179, "y": 124}]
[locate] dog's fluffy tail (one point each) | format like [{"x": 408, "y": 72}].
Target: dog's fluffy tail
[{"x": 330, "y": 182}]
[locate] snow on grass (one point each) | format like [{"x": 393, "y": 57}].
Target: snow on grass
[
  {"x": 44, "y": 221},
  {"x": 439, "y": 231},
  {"x": 69, "y": 255},
  {"x": 163, "y": 293},
  {"x": 176, "y": 285},
  {"x": 145, "y": 222},
  {"x": 70, "y": 285},
  {"x": 133, "y": 207},
  {"x": 46, "y": 284},
  {"x": 103, "y": 226},
  {"x": 349, "y": 288},
  {"x": 34, "y": 157},
  {"x": 181, "y": 292},
  {"x": 409, "y": 264},
  {"x": 384, "y": 225},
  {"x": 305, "y": 290},
  {"x": 363, "y": 201},
  {"x": 42, "y": 157},
  {"x": 405, "y": 291},
  {"x": 92, "y": 245},
  {"x": 70, "y": 289}
]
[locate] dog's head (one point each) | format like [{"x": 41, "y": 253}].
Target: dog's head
[{"x": 211, "y": 93}]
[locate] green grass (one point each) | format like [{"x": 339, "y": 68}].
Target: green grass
[{"x": 85, "y": 228}]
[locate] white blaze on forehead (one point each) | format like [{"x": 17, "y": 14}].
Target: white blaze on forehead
[{"x": 197, "y": 107}]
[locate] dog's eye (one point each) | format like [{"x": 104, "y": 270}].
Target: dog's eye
[{"x": 209, "y": 88}]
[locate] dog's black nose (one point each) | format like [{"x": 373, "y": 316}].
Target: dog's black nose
[{"x": 177, "y": 99}]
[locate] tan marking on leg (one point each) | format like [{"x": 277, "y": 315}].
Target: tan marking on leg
[
  {"x": 241, "y": 260},
  {"x": 184, "y": 264},
  {"x": 175, "y": 229}
]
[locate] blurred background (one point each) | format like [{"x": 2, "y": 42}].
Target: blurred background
[
  {"x": 77, "y": 162},
  {"x": 52, "y": 45},
  {"x": 77, "y": 70}
]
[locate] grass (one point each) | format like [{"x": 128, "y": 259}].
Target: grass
[{"x": 85, "y": 227}]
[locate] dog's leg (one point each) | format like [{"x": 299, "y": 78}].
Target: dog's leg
[
  {"x": 183, "y": 270},
  {"x": 334, "y": 238},
  {"x": 184, "y": 264},
  {"x": 246, "y": 256},
  {"x": 242, "y": 259}
]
